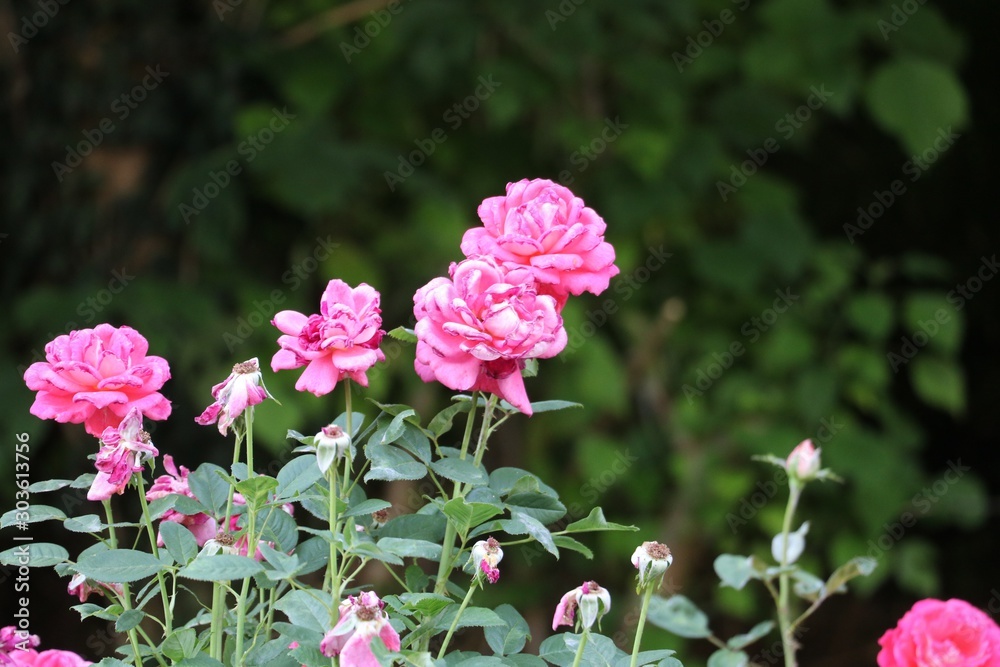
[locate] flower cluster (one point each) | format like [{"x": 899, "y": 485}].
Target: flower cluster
[{"x": 501, "y": 306}]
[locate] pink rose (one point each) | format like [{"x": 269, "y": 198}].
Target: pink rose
[
  {"x": 49, "y": 658},
  {"x": 95, "y": 376},
  {"x": 242, "y": 389},
  {"x": 475, "y": 330},
  {"x": 342, "y": 341},
  {"x": 544, "y": 227},
  {"x": 122, "y": 453},
  {"x": 201, "y": 525},
  {"x": 935, "y": 632},
  {"x": 15, "y": 642},
  {"x": 804, "y": 461},
  {"x": 361, "y": 619}
]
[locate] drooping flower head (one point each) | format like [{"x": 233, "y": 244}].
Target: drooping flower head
[
  {"x": 95, "y": 376},
  {"x": 485, "y": 556},
  {"x": 241, "y": 390},
  {"x": 362, "y": 618},
  {"x": 592, "y": 601},
  {"x": 123, "y": 450},
  {"x": 201, "y": 525},
  {"x": 332, "y": 443},
  {"x": 545, "y": 228},
  {"x": 804, "y": 461},
  {"x": 81, "y": 587},
  {"x": 652, "y": 560},
  {"x": 935, "y": 632},
  {"x": 14, "y": 641},
  {"x": 341, "y": 341},
  {"x": 476, "y": 329}
]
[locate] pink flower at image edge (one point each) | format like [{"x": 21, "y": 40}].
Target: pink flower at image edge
[
  {"x": 47, "y": 658},
  {"x": 545, "y": 228},
  {"x": 94, "y": 376},
  {"x": 935, "y": 632},
  {"x": 341, "y": 341}
]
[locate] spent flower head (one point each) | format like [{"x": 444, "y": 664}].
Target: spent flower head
[
  {"x": 652, "y": 560},
  {"x": 486, "y": 554},
  {"x": 590, "y": 599},
  {"x": 243, "y": 389},
  {"x": 332, "y": 443}
]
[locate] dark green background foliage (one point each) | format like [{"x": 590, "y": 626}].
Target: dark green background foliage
[{"x": 667, "y": 433}]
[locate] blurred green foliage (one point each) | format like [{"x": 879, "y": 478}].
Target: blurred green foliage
[{"x": 222, "y": 218}]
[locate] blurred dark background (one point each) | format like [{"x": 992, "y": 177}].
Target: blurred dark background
[{"x": 187, "y": 168}]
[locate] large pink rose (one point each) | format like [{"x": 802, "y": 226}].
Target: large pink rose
[
  {"x": 544, "y": 227},
  {"x": 342, "y": 341},
  {"x": 95, "y": 376},
  {"x": 475, "y": 331},
  {"x": 49, "y": 658},
  {"x": 935, "y": 632}
]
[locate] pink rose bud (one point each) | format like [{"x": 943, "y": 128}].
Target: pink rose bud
[
  {"x": 804, "y": 462},
  {"x": 332, "y": 443}
]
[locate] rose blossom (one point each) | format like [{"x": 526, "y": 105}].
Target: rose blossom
[
  {"x": 935, "y": 632},
  {"x": 49, "y": 658},
  {"x": 361, "y": 619},
  {"x": 342, "y": 341},
  {"x": 14, "y": 641},
  {"x": 242, "y": 389},
  {"x": 476, "y": 329},
  {"x": 122, "y": 453},
  {"x": 95, "y": 376},
  {"x": 80, "y": 587},
  {"x": 201, "y": 525},
  {"x": 545, "y": 228}
]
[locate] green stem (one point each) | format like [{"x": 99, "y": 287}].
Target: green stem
[
  {"x": 126, "y": 589},
  {"x": 784, "y": 580},
  {"x": 168, "y": 609},
  {"x": 454, "y": 623},
  {"x": 232, "y": 489},
  {"x": 579, "y": 650},
  {"x": 248, "y": 417},
  {"x": 218, "y": 616},
  {"x": 332, "y": 571},
  {"x": 647, "y": 596},
  {"x": 241, "y": 604}
]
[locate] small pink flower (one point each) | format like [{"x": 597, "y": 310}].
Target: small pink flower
[
  {"x": 14, "y": 641},
  {"x": 122, "y": 454},
  {"x": 201, "y": 525},
  {"x": 476, "y": 329},
  {"x": 94, "y": 376},
  {"x": 80, "y": 587},
  {"x": 935, "y": 632},
  {"x": 804, "y": 461},
  {"x": 342, "y": 341},
  {"x": 241, "y": 545},
  {"x": 49, "y": 658},
  {"x": 361, "y": 620},
  {"x": 242, "y": 389},
  {"x": 545, "y": 228},
  {"x": 592, "y": 601},
  {"x": 486, "y": 554}
]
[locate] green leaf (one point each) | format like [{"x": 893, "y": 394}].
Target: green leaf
[
  {"x": 209, "y": 486},
  {"x": 678, "y": 615},
  {"x": 464, "y": 515},
  {"x": 734, "y": 571},
  {"x": 595, "y": 521},
  {"x": 110, "y": 662},
  {"x": 567, "y": 542},
  {"x": 34, "y": 514},
  {"x": 394, "y": 431},
  {"x": 871, "y": 313},
  {"x": 285, "y": 566},
  {"x": 180, "y": 644},
  {"x": 856, "y": 567},
  {"x": 927, "y": 313},
  {"x": 511, "y": 637},
  {"x": 306, "y": 609},
  {"x": 221, "y": 567},
  {"x": 129, "y": 619},
  {"x": 726, "y": 658},
  {"x": 551, "y": 406},
  {"x": 939, "y": 383},
  {"x": 406, "y": 548},
  {"x": 49, "y": 485},
  {"x": 904, "y": 80},
  {"x": 511, "y": 480},
  {"x": 758, "y": 631},
  {"x": 366, "y": 507},
  {"x": 297, "y": 476},
  {"x": 472, "y": 617},
  {"x": 403, "y": 334},
  {"x": 539, "y": 506},
  {"x": 428, "y": 604},
  {"x": 88, "y": 523},
  {"x": 118, "y": 566},
  {"x": 182, "y": 504},
  {"x": 35, "y": 554},
  {"x": 442, "y": 421},
  {"x": 536, "y": 530},
  {"x": 179, "y": 541},
  {"x": 256, "y": 490},
  {"x": 460, "y": 470},
  {"x": 391, "y": 464}
]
